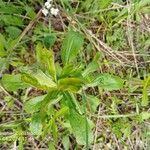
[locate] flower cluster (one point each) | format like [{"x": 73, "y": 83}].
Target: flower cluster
[{"x": 48, "y": 8}]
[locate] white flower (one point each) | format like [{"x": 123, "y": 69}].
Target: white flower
[
  {"x": 48, "y": 5},
  {"x": 54, "y": 11},
  {"x": 45, "y": 11}
]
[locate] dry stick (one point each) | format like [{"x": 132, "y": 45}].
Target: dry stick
[
  {"x": 130, "y": 37},
  {"x": 132, "y": 147},
  {"x": 117, "y": 143}
]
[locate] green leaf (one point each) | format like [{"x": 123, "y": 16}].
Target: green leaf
[
  {"x": 46, "y": 60},
  {"x": 141, "y": 4},
  {"x": 108, "y": 82},
  {"x": 92, "y": 102},
  {"x": 54, "y": 131},
  {"x": 70, "y": 84},
  {"x": 3, "y": 64},
  {"x": 49, "y": 41},
  {"x": 34, "y": 104},
  {"x": 2, "y": 46},
  {"x": 71, "y": 71},
  {"x": 145, "y": 115},
  {"x": 104, "y": 3},
  {"x": 36, "y": 124},
  {"x": 13, "y": 82},
  {"x": 78, "y": 124},
  {"x": 52, "y": 98},
  {"x": 38, "y": 79},
  {"x": 87, "y": 4},
  {"x": 93, "y": 66},
  {"x": 51, "y": 145},
  {"x": 144, "y": 97},
  {"x": 63, "y": 111},
  {"x": 54, "y": 101},
  {"x": 11, "y": 20},
  {"x": 121, "y": 127},
  {"x": 13, "y": 32},
  {"x": 66, "y": 142},
  {"x": 71, "y": 46},
  {"x": 30, "y": 12},
  {"x": 72, "y": 102},
  {"x": 10, "y": 9}
]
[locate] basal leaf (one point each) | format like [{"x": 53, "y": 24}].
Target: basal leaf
[
  {"x": 55, "y": 132},
  {"x": 145, "y": 99},
  {"x": 3, "y": 64},
  {"x": 46, "y": 60},
  {"x": 63, "y": 111},
  {"x": 30, "y": 11},
  {"x": 34, "y": 104},
  {"x": 144, "y": 115},
  {"x": 72, "y": 102},
  {"x": 92, "y": 103},
  {"x": 36, "y": 124},
  {"x": 70, "y": 84},
  {"x": 13, "y": 32},
  {"x": 71, "y": 46},
  {"x": 108, "y": 82},
  {"x": 2, "y": 46},
  {"x": 11, "y": 20},
  {"x": 38, "y": 79},
  {"x": 13, "y": 82},
  {"x": 71, "y": 71},
  {"x": 78, "y": 124},
  {"x": 66, "y": 142},
  {"x": 10, "y": 9}
]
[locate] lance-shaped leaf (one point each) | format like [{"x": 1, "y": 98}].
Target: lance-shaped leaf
[
  {"x": 108, "y": 82},
  {"x": 146, "y": 84},
  {"x": 71, "y": 71},
  {"x": 34, "y": 104},
  {"x": 70, "y": 84},
  {"x": 71, "y": 46},
  {"x": 36, "y": 124},
  {"x": 38, "y": 79},
  {"x": 13, "y": 82},
  {"x": 81, "y": 128},
  {"x": 72, "y": 102},
  {"x": 46, "y": 60}
]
